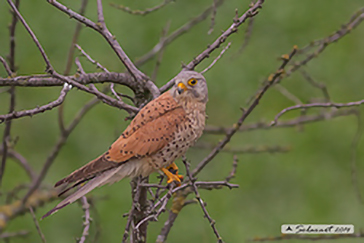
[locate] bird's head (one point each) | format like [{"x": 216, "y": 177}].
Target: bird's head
[{"x": 190, "y": 85}]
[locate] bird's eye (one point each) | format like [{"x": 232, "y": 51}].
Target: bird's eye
[{"x": 192, "y": 81}]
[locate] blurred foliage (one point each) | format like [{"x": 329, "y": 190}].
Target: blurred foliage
[{"x": 310, "y": 184}]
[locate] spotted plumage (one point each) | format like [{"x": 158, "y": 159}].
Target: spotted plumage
[{"x": 160, "y": 133}]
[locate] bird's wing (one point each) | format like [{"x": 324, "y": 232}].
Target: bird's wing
[{"x": 152, "y": 128}]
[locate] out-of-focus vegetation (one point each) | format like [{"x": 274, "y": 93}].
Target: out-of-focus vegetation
[{"x": 309, "y": 184}]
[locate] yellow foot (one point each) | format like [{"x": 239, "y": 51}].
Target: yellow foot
[
  {"x": 172, "y": 174},
  {"x": 174, "y": 170}
]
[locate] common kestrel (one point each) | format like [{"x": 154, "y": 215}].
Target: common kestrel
[{"x": 160, "y": 133}]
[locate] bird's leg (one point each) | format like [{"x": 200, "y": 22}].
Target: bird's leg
[{"x": 171, "y": 172}]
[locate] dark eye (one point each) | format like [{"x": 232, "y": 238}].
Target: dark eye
[{"x": 192, "y": 81}]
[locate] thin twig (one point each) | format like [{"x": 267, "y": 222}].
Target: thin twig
[
  {"x": 305, "y": 119},
  {"x": 11, "y": 70},
  {"x": 37, "y": 225},
  {"x": 98, "y": 65},
  {"x": 200, "y": 201},
  {"x": 247, "y": 149},
  {"x": 37, "y": 110},
  {"x": 316, "y": 84},
  {"x": 307, "y": 106},
  {"x": 136, "y": 193},
  {"x": 213, "y": 16},
  {"x": 76, "y": 34},
  {"x": 101, "y": 28},
  {"x": 251, "y": 12},
  {"x": 217, "y": 58},
  {"x": 177, "y": 33},
  {"x": 22, "y": 161},
  {"x": 271, "y": 80},
  {"x": 57, "y": 147},
  {"x": 6, "y": 66},
  {"x": 233, "y": 170},
  {"x": 161, "y": 51},
  {"x": 247, "y": 35},
  {"x": 140, "y": 12},
  {"x": 35, "y": 39},
  {"x": 87, "y": 222},
  {"x": 5, "y": 236},
  {"x": 17, "y": 208},
  {"x": 354, "y": 21},
  {"x": 287, "y": 94},
  {"x": 354, "y": 151}
]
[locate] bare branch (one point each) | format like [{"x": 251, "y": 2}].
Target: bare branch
[
  {"x": 161, "y": 52},
  {"x": 87, "y": 222},
  {"x": 8, "y": 235},
  {"x": 37, "y": 225},
  {"x": 141, "y": 12},
  {"x": 6, "y": 66},
  {"x": 354, "y": 21},
  {"x": 306, "y": 106},
  {"x": 101, "y": 28},
  {"x": 323, "y": 116},
  {"x": 61, "y": 141},
  {"x": 46, "y": 80},
  {"x": 316, "y": 84},
  {"x": 247, "y": 36},
  {"x": 10, "y": 69},
  {"x": 177, "y": 33},
  {"x": 202, "y": 204},
  {"x": 136, "y": 194},
  {"x": 41, "y": 109},
  {"x": 287, "y": 94},
  {"x": 354, "y": 151},
  {"x": 247, "y": 149},
  {"x": 35, "y": 39},
  {"x": 16, "y": 208},
  {"x": 22, "y": 161},
  {"x": 271, "y": 80},
  {"x": 233, "y": 170},
  {"x": 75, "y": 39},
  {"x": 251, "y": 12},
  {"x": 217, "y": 58},
  {"x": 213, "y": 16},
  {"x": 98, "y": 65}
]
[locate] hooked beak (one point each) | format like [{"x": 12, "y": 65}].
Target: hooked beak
[{"x": 181, "y": 88}]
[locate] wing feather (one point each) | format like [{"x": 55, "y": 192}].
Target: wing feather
[{"x": 152, "y": 129}]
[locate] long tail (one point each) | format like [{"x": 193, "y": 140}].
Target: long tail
[{"x": 99, "y": 180}]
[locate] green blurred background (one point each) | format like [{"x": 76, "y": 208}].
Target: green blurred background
[{"x": 309, "y": 184}]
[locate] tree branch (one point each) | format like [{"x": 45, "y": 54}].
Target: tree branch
[
  {"x": 306, "y": 106},
  {"x": 271, "y": 80}
]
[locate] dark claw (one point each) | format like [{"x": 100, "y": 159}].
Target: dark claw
[{"x": 174, "y": 172}]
